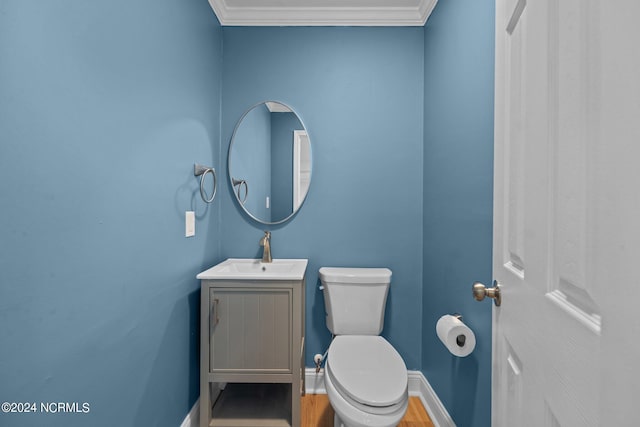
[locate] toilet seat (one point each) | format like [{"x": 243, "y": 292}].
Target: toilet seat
[{"x": 368, "y": 372}]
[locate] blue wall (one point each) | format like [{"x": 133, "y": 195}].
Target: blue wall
[
  {"x": 359, "y": 92},
  {"x": 104, "y": 107},
  {"x": 458, "y": 164}
]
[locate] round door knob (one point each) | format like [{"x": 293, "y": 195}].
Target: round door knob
[{"x": 480, "y": 292}]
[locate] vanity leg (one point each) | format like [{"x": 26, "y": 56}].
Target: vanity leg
[
  {"x": 297, "y": 354},
  {"x": 205, "y": 404},
  {"x": 205, "y": 386},
  {"x": 295, "y": 404}
]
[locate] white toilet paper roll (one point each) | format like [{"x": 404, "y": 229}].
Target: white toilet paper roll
[{"x": 455, "y": 335}]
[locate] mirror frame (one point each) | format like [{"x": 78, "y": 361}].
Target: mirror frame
[{"x": 233, "y": 138}]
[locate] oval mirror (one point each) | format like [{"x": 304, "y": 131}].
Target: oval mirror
[{"x": 270, "y": 162}]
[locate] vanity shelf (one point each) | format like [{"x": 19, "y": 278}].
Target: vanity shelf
[
  {"x": 253, "y": 405},
  {"x": 252, "y": 340}
]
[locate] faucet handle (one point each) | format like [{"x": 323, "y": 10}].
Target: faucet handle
[{"x": 267, "y": 234}]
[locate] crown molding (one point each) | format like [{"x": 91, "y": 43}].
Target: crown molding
[{"x": 333, "y": 15}]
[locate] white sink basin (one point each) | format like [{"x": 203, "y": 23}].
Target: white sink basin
[{"x": 255, "y": 269}]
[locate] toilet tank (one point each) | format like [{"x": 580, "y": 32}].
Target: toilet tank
[{"x": 355, "y": 299}]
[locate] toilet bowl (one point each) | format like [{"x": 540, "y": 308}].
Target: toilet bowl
[
  {"x": 365, "y": 377},
  {"x": 366, "y": 382}
]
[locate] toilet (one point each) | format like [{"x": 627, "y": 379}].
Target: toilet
[{"x": 365, "y": 377}]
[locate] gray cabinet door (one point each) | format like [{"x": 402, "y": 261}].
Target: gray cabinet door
[{"x": 250, "y": 330}]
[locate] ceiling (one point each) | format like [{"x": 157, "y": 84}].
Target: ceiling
[{"x": 322, "y": 12}]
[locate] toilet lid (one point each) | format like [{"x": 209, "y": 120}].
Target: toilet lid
[{"x": 368, "y": 369}]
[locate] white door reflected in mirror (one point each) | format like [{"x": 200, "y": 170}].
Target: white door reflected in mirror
[{"x": 301, "y": 167}]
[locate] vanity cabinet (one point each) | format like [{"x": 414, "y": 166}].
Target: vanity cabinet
[{"x": 252, "y": 345}]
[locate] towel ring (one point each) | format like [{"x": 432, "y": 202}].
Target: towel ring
[
  {"x": 202, "y": 171},
  {"x": 239, "y": 183}
]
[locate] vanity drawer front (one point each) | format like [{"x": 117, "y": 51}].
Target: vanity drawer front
[{"x": 250, "y": 330}]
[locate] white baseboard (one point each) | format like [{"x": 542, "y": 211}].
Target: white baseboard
[
  {"x": 418, "y": 386},
  {"x": 314, "y": 384},
  {"x": 192, "y": 418}
]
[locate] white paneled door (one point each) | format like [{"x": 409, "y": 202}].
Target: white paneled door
[{"x": 566, "y": 338}]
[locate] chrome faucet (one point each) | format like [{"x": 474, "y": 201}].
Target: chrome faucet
[{"x": 266, "y": 242}]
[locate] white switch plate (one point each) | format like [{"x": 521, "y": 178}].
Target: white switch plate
[{"x": 189, "y": 224}]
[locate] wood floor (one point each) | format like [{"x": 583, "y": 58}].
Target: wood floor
[{"x": 317, "y": 412}]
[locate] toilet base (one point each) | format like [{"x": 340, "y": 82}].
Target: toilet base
[{"x": 347, "y": 415}]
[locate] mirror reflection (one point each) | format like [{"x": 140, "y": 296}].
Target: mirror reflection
[{"x": 270, "y": 162}]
